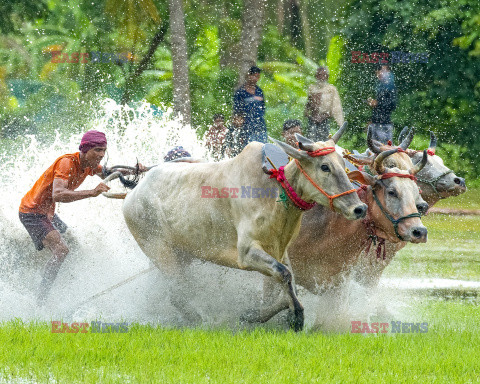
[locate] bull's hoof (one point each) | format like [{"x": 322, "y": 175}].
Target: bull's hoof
[{"x": 297, "y": 320}]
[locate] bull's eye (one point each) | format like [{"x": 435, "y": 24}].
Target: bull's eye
[
  {"x": 392, "y": 193},
  {"x": 325, "y": 168}
]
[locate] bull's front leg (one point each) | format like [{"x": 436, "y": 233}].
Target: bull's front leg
[{"x": 253, "y": 257}]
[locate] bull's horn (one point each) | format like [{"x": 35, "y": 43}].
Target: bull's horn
[
  {"x": 339, "y": 133},
  {"x": 418, "y": 167},
  {"x": 372, "y": 144},
  {"x": 402, "y": 134},
  {"x": 378, "y": 164},
  {"x": 112, "y": 176},
  {"x": 303, "y": 139},
  {"x": 433, "y": 142},
  {"x": 408, "y": 139}
]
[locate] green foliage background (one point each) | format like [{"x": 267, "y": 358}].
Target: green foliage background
[{"x": 441, "y": 95}]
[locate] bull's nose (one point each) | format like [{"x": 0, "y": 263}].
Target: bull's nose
[
  {"x": 460, "y": 181},
  {"x": 360, "y": 211},
  {"x": 419, "y": 234},
  {"x": 422, "y": 208}
]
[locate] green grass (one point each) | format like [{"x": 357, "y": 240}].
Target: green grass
[{"x": 448, "y": 352}]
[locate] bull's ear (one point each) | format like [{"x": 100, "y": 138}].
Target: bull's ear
[
  {"x": 290, "y": 151},
  {"x": 362, "y": 177},
  {"x": 362, "y": 159}
]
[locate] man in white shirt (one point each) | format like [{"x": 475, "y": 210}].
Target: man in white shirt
[{"x": 323, "y": 103}]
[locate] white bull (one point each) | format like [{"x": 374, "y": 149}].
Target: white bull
[{"x": 173, "y": 221}]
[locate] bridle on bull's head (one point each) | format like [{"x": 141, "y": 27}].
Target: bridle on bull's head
[
  {"x": 430, "y": 151},
  {"x": 383, "y": 174},
  {"x": 298, "y": 201},
  {"x": 304, "y": 144}
]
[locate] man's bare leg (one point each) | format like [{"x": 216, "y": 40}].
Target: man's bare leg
[{"x": 59, "y": 249}]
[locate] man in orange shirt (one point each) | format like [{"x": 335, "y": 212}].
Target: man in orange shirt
[{"x": 58, "y": 184}]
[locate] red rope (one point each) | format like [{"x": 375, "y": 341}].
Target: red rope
[
  {"x": 321, "y": 151},
  {"x": 297, "y": 200},
  {"x": 329, "y": 197}
]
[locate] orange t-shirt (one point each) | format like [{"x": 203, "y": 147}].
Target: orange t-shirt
[{"x": 67, "y": 167}]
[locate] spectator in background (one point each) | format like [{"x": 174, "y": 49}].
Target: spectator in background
[
  {"x": 323, "y": 103},
  {"x": 290, "y": 127},
  {"x": 383, "y": 105},
  {"x": 215, "y": 137},
  {"x": 236, "y": 138},
  {"x": 249, "y": 100}
]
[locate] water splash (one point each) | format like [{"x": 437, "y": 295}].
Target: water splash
[{"x": 102, "y": 251}]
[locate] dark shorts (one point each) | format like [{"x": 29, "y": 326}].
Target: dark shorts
[
  {"x": 38, "y": 226},
  {"x": 318, "y": 131}
]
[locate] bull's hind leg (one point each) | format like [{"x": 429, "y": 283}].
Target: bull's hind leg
[
  {"x": 253, "y": 257},
  {"x": 175, "y": 267}
]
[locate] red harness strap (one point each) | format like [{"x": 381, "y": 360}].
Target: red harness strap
[
  {"x": 297, "y": 200},
  {"x": 329, "y": 197},
  {"x": 321, "y": 152}
]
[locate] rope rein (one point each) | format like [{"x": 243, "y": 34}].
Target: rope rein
[
  {"x": 395, "y": 222},
  {"x": 279, "y": 175},
  {"x": 329, "y": 197},
  {"x": 434, "y": 181}
]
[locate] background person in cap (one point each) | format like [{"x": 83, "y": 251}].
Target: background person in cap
[
  {"x": 249, "y": 101},
  {"x": 323, "y": 103},
  {"x": 290, "y": 127},
  {"x": 58, "y": 184}
]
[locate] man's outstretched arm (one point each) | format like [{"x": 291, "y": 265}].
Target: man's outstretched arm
[{"x": 61, "y": 194}]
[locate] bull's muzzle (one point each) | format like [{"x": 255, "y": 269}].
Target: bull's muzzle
[{"x": 418, "y": 234}]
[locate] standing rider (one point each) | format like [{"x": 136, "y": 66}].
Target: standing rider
[{"x": 58, "y": 184}]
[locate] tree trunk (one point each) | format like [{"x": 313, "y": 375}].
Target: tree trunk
[
  {"x": 307, "y": 39},
  {"x": 280, "y": 16},
  {"x": 181, "y": 87},
  {"x": 252, "y": 25},
  {"x": 131, "y": 78}
]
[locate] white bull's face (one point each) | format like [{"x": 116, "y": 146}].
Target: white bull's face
[
  {"x": 436, "y": 180},
  {"x": 323, "y": 173}
]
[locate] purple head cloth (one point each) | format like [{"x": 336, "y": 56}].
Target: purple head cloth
[{"x": 92, "y": 139}]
